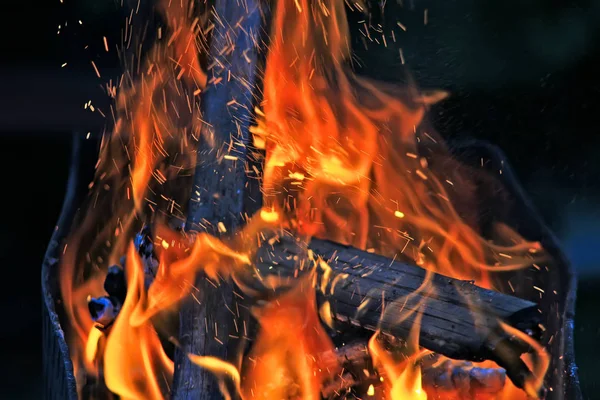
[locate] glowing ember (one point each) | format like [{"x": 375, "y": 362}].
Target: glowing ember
[{"x": 343, "y": 156}]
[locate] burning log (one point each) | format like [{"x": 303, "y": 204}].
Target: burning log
[
  {"x": 440, "y": 376},
  {"x": 340, "y": 386},
  {"x": 352, "y": 355},
  {"x": 458, "y": 319},
  {"x": 220, "y": 188},
  {"x": 463, "y": 378},
  {"x": 354, "y": 358}
]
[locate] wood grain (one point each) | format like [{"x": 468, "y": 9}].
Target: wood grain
[
  {"x": 458, "y": 318},
  {"x": 219, "y": 187}
]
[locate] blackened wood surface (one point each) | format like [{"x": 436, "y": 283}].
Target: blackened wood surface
[
  {"x": 218, "y": 192},
  {"x": 458, "y": 318},
  {"x": 59, "y": 379}
]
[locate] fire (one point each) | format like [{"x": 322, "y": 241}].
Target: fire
[
  {"x": 287, "y": 359},
  {"x": 134, "y": 360},
  {"x": 403, "y": 378},
  {"x": 347, "y": 159}
]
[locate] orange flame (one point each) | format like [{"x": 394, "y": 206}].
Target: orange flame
[
  {"x": 356, "y": 145},
  {"x": 538, "y": 361},
  {"x": 403, "y": 378},
  {"x": 142, "y": 156},
  {"x": 134, "y": 358},
  {"x": 347, "y": 159},
  {"x": 287, "y": 359}
]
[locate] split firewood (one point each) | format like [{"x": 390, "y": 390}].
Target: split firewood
[
  {"x": 346, "y": 383},
  {"x": 440, "y": 376},
  {"x": 463, "y": 379},
  {"x": 457, "y": 319},
  {"x": 355, "y": 363},
  {"x": 353, "y": 354}
]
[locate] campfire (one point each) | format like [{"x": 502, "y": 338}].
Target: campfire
[{"x": 264, "y": 223}]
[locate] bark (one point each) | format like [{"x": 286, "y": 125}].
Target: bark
[
  {"x": 218, "y": 195},
  {"x": 457, "y": 318}
]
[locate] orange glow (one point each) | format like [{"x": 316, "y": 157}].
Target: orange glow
[
  {"x": 356, "y": 143},
  {"x": 269, "y": 215},
  {"x": 286, "y": 360},
  {"x": 539, "y": 364},
  {"x": 91, "y": 347},
  {"x": 403, "y": 379},
  {"x": 134, "y": 359},
  {"x": 347, "y": 159},
  {"x": 221, "y": 369}
]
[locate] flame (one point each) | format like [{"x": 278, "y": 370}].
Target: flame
[
  {"x": 134, "y": 358},
  {"x": 347, "y": 159},
  {"x": 221, "y": 369},
  {"x": 286, "y": 360},
  {"x": 403, "y": 378},
  {"x": 139, "y": 171},
  {"x": 538, "y": 361},
  {"x": 356, "y": 143}
]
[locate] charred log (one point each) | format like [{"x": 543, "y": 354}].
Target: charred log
[
  {"x": 219, "y": 189},
  {"x": 441, "y": 377},
  {"x": 457, "y": 318}
]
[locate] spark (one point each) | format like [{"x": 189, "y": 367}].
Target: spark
[
  {"x": 96, "y": 69},
  {"x": 371, "y": 390}
]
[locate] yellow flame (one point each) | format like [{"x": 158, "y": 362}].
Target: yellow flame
[
  {"x": 350, "y": 145},
  {"x": 535, "y": 381},
  {"x": 134, "y": 358},
  {"x": 92, "y": 346},
  {"x": 220, "y": 368}
]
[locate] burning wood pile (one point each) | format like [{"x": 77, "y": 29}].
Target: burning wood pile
[{"x": 294, "y": 231}]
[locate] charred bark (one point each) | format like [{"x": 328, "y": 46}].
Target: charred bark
[
  {"x": 206, "y": 319},
  {"x": 457, "y": 318}
]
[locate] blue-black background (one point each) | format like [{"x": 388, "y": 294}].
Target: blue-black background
[{"x": 522, "y": 73}]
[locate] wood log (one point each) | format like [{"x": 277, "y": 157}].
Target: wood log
[
  {"x": 457, "y": 318},
  {"x": 218, "y": 194},
  {"x": 339, "y": 386},
  {"x": 459, "y": 380}
]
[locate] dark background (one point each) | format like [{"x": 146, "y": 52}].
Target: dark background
[{"x": 523, "y": 74}]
